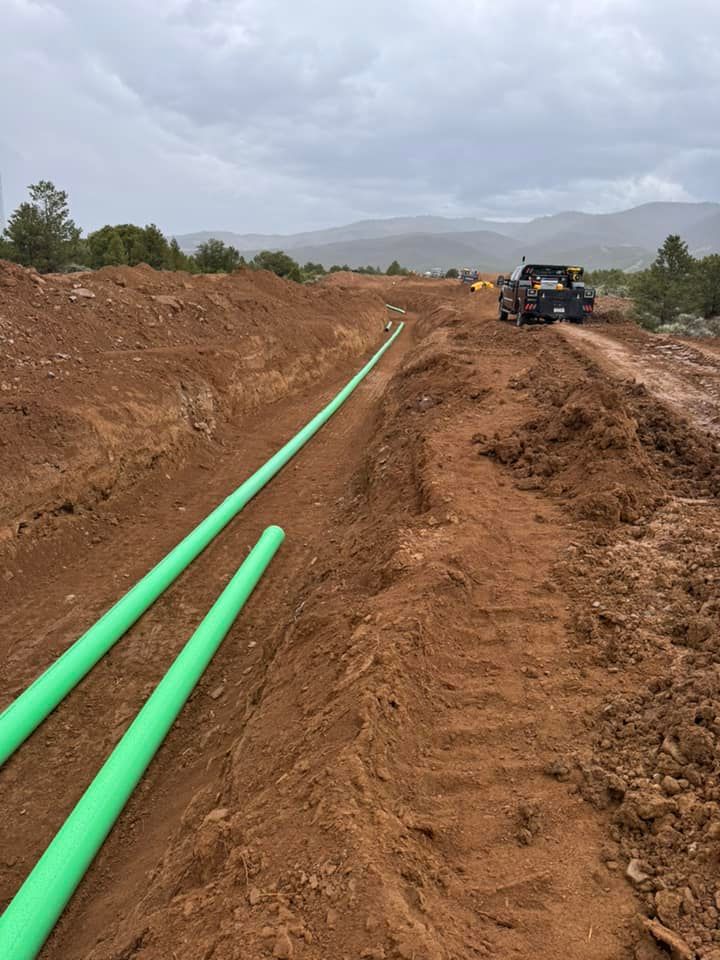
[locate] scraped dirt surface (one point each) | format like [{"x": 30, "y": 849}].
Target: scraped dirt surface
[{"x": 472, "y": 710}]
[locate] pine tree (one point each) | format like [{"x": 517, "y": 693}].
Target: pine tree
[
  {"x": 176, "y": 259},
  {"x": 665, "y": 291},
  {"x": 214, "y": 256},
  {"x": 115, "y": 254},
  {"x": 707, "y": 285},
  {"x": 7, "y": 250},
  {"x": 156, "y": 246},
  {"x": 395, "y": 270},
  {"x": 138, "y": 251},
  {"x": 278, "y": 263},
  {"x": 41, "y": 231}
]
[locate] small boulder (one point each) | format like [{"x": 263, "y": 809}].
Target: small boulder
[
  {"x": 636, "y": 872},
  {"x": 167, "y": 301}
]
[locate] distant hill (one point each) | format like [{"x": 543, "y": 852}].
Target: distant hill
[
  {"x": 628, "y": 239},
  {"x": 702, "y": 237},
  {"x": 362, "y": 230},
  {"x": 421, "y": 251}
]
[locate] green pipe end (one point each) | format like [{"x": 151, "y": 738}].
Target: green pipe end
[{"x": 274, "y": 531}]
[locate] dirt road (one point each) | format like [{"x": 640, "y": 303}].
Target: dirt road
[
  {"x": 682, "y": 374},
  {"x": 477, "y": 687}
]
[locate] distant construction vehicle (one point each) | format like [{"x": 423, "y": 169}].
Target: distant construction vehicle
[{"x": 542, "y": 293}]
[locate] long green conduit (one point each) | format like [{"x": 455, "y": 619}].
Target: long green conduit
[
  {"x": 36, "y": 907},
  {"x": 29, "y": 710}
]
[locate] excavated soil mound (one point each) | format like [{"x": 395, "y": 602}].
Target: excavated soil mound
[
  {"x": 421, "y": 295},
  {"x": 613, "y": 310},
  {"x": 346, "y": 278},
  {"x": 600, "y": 445},
  {"x": 647, "y": 606},
  {"x": 104, "y": 375}
]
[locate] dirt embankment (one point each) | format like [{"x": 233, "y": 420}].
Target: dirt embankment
[
  {"x": 645, "y": 598},
  {"x": 644, "y": 606},
  {"x": 106, "y": 375}
]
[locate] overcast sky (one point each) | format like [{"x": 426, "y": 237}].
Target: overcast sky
[{"x": 283, "y": 115}]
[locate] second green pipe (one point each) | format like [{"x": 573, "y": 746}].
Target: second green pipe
[{"x": 36, "y": 907}]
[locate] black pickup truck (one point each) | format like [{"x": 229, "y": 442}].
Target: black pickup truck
[{"x": 542, "y": 293}]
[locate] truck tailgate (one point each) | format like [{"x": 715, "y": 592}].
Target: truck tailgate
[{"x": 561, "y": 304}]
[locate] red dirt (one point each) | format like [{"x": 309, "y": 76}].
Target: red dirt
[
  {"x": 96, "y": 389},
  {"x": 613, "y": 310},
  {"x": 478, "y": 683}
]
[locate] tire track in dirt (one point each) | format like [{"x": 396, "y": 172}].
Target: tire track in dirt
[{"x": 684, "y": 376}]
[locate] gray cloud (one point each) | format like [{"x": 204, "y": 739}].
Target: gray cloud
[{"x": 272, "y": 115}]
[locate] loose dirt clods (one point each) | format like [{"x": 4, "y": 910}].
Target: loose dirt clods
[{"x": 475, "y": 709}]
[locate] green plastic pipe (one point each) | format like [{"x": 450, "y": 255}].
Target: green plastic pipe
[
  {"x": 29, "y": 710},
  {"x": 396, "y": 309},
  {"x": 38, "y": 904}
]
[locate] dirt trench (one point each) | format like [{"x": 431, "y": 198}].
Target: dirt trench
[
  {"x": 105, "y": 376},
  {"x": 474, "y": 692}
]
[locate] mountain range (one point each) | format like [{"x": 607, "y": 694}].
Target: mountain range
[{"x": 628, "y": 239}]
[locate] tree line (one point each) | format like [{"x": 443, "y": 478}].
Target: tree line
[
  {"x": 676, "y": 285},
  {"x": 42, "y": 234}
]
